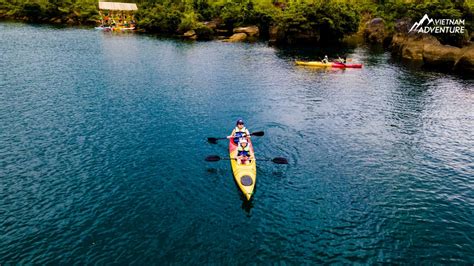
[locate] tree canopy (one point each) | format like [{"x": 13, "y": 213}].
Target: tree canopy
[{"x": 325, "y": 20}]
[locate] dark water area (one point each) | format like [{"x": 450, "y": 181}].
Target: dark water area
[{"x": 103, "y": 140}]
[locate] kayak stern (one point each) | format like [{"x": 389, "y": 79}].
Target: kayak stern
[{"x": 245, "y": 175}]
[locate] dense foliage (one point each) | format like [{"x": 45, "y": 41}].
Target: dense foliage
[
  {"x": 57, "y": 11},
  {"x": 323, "y": 21}
]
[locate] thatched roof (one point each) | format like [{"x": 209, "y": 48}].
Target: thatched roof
[{"x": 117, "y": 6}]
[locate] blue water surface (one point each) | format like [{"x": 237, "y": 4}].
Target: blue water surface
[{"x": 103, "y": 140}]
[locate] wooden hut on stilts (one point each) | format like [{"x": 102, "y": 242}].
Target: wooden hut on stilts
[{"x": 117, "y": 16}]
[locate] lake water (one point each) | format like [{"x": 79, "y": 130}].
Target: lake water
[{"x": 103, "y": 140}]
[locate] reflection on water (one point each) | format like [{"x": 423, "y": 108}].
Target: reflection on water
[{"x": 103, "y": 140}]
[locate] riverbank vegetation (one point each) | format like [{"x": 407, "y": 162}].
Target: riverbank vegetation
[
  {"x": 322, "y": 21},
  {"x": 51, "y": 11}
]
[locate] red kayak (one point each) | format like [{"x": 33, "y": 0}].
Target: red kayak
[{"x": 342, "y": 65}]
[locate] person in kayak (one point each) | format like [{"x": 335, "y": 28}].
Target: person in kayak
[
  {"x": 244, "y": 155},
  {"x": 326, "y": 59},
  {"x": 239, "y": 131},
  {"x": 341, "y": 60}
]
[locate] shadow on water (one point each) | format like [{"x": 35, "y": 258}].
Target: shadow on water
[
  {"x": 417, "y": 67},
  {"x": 247, "y": 205},
  {"x": 278, "y": 174},
  {"x": 375, "y": 54},
  {"x": 211, "y": 170}
]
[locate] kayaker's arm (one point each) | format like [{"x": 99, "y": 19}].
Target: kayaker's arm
[{"x": 232, "y": 135}]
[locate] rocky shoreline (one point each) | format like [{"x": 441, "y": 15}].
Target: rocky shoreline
[
  {"x": 424, "y": 49},
  {"x": 427, "y": 50}
]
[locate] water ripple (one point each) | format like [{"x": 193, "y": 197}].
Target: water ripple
[{"x": 102, "y": 144}]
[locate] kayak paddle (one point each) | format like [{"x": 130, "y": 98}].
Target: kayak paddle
[
  {"x": 216, "y": 158},
  {"x": 256, "y": 134}
]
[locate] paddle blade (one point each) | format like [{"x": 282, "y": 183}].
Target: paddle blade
[
  {"x": 213, "y": 158},
  {"x": 258, "y": 133},
  {"x": 212, "y": 140},
  {"x": 280, "y": 160}
]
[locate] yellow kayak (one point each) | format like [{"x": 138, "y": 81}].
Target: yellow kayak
[
  {"x": 330, "y": 64},
  {"x": 245, "y": 175},
  {"x": 313, "y": 63}
]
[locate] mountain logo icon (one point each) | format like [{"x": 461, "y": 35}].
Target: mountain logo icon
[{"x": 417, "y": 25}]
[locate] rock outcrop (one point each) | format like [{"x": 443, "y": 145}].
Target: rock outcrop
[
  {"x": 190, "y": 34},
  {"x": 251, "y": 31},
  {"x": 211, "y": 24},
  {"x": 244, "y": 34},
  {"x": 465, "y": 62},
  {"x": 438, "y": 55},
  {"x": 273, "y": 34},
  {"x": 237, "y": 37},
  {"x": 201, "y": 31},
  {"x": 374, "y": 31},
  {"x": 278, "y": 35},
  {"x": 427, "y": 50},
  {"x": 403, "y": 25},
  {"x": 411, "y": 47}
]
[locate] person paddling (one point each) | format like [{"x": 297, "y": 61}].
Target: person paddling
[
  {"x": 239, "y": 131},
  {"x": 326, "y": 59},
  {"x": 244, "y": 154}
]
